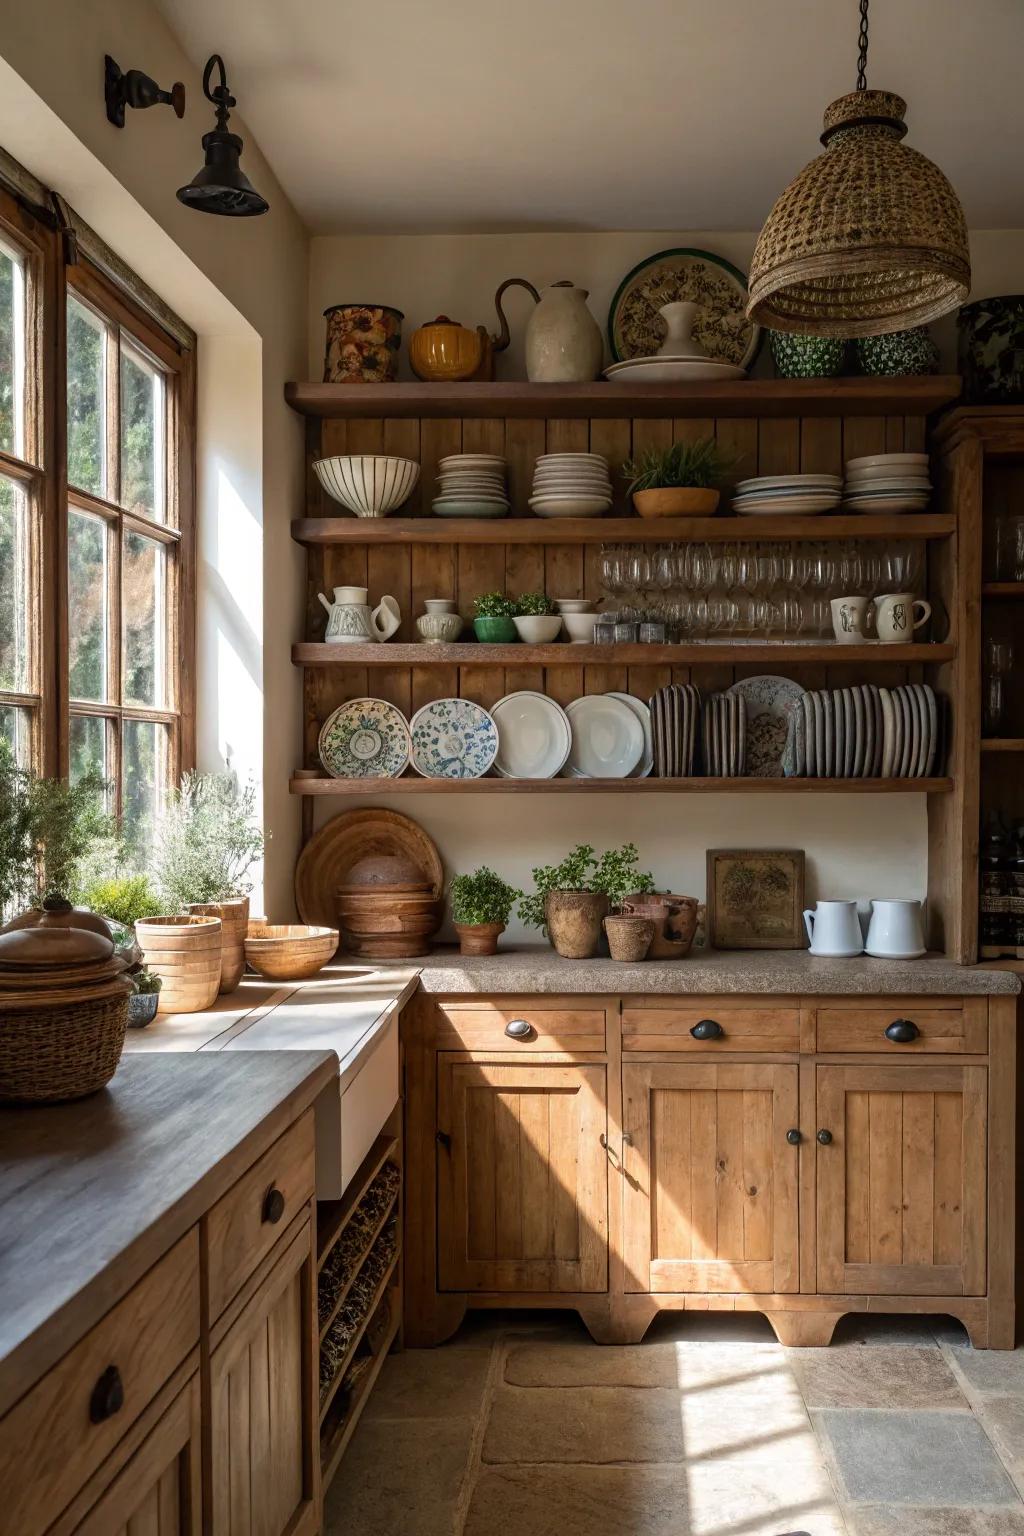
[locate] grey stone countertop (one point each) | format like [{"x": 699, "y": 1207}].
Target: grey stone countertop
[{"x": 539, "y": 969}]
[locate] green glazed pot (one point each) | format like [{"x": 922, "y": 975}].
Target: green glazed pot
[
  {"x": 806, "y": 357},
  {"x": 899, "y": 354},
  {"x": 495, "y": 631},
  {"x": 990, "y": 336}
]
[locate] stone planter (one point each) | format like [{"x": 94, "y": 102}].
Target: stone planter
[
  {"x": 479, "y": 938},
  {"x": 234, "y": 917},
  {"x": 573, "y": 920},
  {"x": 142, "y": 1007}
]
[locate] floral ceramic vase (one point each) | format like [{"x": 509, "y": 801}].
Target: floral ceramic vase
[
  {"x": 899, "y": 354},
  {"x": 990, "y": 353},
  {"x": 362, "y": 343},
  {"x": 806, "y": 357}
]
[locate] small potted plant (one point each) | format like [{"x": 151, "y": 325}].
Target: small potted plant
[
  {"x": 571, "y": 900},
  {"x": 679, "y": 481},
  {"x": 536, "y": 619},
  {"x": 145, "y": 1000},
  {"x": 494, "y": 618},
  {"x": 481, "y": 903}
]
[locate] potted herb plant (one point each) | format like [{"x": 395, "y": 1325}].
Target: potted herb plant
[
  {"x": 679, "y": 481},
  {"x": 47, "y": 831},
  {"x": 570, "y": 900},
  {"x": 145, "y": 1000},
  {"x": 493, "y": 621},
  {"x": 481, "y": 903},
  {"x": 536, "y": 619}
]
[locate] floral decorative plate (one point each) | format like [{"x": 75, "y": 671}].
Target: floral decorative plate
[
  {"x": 453, "y": 739},
  {"x": 365, "y": 739},
  {"x": 635, "y": 328},
  {"x": 770, "y": 703}
]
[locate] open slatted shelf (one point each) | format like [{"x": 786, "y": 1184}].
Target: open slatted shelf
[
  {"x": 343, "y": 1293},
  {"x": 418, "y": 786},
  {"x": 338, "y": 1428},
  {"x": 736, "y": 653},
  {"x": 357, "y": 1338},
  {"x": 332, "y": 1215}
]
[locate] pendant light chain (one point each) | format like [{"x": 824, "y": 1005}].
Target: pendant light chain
[{"x": 862, "y": 42}]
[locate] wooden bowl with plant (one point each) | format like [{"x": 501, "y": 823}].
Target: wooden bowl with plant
[
  {"x": 682, "y": 480},
  {"x": 481, "y": 903}
]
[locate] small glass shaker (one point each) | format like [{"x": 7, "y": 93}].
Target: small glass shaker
[
  {"x": 652, "y": 632},
  {"x": 604, "y": 629},
  {"x": 998, "y": 666}
]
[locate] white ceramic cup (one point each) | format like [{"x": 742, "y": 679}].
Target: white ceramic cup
[
  {"x": 895, "y": 931},
  {"x": 833, "y": 929},
  {"x": 850, "y": 619},
  {"x": 895, "y": 619}
]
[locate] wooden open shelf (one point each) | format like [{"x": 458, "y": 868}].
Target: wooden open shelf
[
  {"x": 357, "y": 1337},
  {"x": 561, "y": 654},
  {"x": 741, "y": 397},
  {"x": 332, "y": 1215},
  {"x": 1004, "y": 589},
  {"x": 417, "y": 786},
  {"x": 1002, "y": 744},
  {"x": 342, "y": 1296},
  {"x": 430, "y": 530},
  {"x": 338, "y": 1429}
]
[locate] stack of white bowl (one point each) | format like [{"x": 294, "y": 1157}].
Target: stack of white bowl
[
  {"x": 571, "y": 485},
  {"x": 887, "y": 482},
  {"x": 472, "y": 485}
]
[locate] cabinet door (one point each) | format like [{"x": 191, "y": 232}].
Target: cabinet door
[
  {"x": 901, "y": 1180},
  {"x": 710, "y": 1181},
  {"x": 264, "y": 1455},
  {"x": 157, "y": 1492},
  {"x": 522, "y": 1177}
]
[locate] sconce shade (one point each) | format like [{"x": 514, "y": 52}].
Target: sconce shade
[
  {"x": 221, "y": 186},
  {"x": 869, "y": 238}
]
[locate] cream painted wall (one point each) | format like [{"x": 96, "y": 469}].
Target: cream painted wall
[{"x": 242, "y": 285}]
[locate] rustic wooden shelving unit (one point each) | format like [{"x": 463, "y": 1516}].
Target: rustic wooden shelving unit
[{"x": 414, "y": 785}]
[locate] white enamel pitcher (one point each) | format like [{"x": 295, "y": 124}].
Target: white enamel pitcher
[
  {"x": 833, "y": 929},
  {"x": 351, "y": 620}
]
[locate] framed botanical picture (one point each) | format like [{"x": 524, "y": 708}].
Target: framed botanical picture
[{"x": 756, "y": 898}]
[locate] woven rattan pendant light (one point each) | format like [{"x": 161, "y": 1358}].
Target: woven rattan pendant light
[{"x": 870, "y": 237}]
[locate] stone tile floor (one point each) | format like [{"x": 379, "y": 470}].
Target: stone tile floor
[{"x": 521, "y": 1426}]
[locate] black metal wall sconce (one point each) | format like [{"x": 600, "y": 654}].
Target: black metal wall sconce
[{"x": 221, "y": 186}]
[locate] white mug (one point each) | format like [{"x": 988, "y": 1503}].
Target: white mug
[
  {"x": 895, "y": 931},
  {"x": 833, "y": 929},
  {"x": 850, "y": 619},
  {"x": 894, "y": 616}
]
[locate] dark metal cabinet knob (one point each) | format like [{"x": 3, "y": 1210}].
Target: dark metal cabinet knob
[
  {"x": 794, "y": 1138},
  {"x": 825, "y": 1137},
  {"x": 444, "y": 1140},
  {"x": 902, "y": 1031},
  {"x": 520, "y": 1029},
  {"x": 273, "y": 1205},
  {"x": 707, "y": 1029},
  {"x": 107, "y": 1396}
]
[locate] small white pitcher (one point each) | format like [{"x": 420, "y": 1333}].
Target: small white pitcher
[
  {"x": 895, "y": 931},
  {"x": 351, "y": 621},
  {"x": 833, "y": 929}
]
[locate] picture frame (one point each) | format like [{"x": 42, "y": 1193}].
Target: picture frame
[{"x": 755, "y": 898}]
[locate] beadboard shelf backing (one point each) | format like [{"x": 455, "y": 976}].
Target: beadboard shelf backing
[
  {"x": 418, "y": 786},
  {"x": 614, "y": 657}
]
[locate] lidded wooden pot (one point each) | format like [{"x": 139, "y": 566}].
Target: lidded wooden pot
[{"x": 387, "y": 908}]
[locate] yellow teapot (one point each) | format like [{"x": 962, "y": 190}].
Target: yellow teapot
[{"x": 446, "y": 352}]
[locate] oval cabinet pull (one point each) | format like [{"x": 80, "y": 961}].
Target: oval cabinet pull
[
  {"x": 107, "y": 1396},
  {"x": 273, "y": 1205},
  {"x": 707, "y": 1029},
  {"x": 519, "y": 1029},
  {"x": 825, "y": 1137},
  {"x": 444, "y": 1140},
  {"x": 794, "y": 1137},
  {"x": 902, "y": 1031}
]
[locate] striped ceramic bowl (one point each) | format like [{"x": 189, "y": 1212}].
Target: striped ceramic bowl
[{"x": 369, "y": 485}]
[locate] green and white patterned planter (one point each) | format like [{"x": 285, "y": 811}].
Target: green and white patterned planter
[
  {"x": 991, "y": 350},
  {"x": 899, "y": 354},
  {"x": 807, "y": 357}
]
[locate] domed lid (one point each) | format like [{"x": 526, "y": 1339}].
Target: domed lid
[
  {"x": 38, "y": 947},
  {"x": 385, "y": 872}
]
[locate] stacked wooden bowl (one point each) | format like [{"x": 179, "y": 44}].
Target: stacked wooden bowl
[
  {"x": 289, "y": 951},
  {"x": 185, "y": 952},
  {"x": 387, "y": 909}
]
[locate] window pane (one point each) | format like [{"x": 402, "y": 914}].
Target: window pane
[
  {"x": 15, "y": 589},
  {"x": 16, "y": 730},
  {"x": 142, "y": 435},
  {"x": 142, "y": 569},
  {"x": 87, "y": 400},
  {"x": 12, "y": 351},
  {"x": 90, "y": 747},
  {"x": 87, "y": 606},
  {"x": 144, "y": 752}
]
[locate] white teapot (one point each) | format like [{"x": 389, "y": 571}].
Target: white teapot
[{"x": 351, "y": 620}]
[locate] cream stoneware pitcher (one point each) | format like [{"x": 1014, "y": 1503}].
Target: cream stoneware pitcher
[
  {"x": 833, "y": 929},
  {"x": 351, "y": 620}
]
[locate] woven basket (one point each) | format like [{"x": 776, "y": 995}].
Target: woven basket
[
  {"x": 234, "y": 920},
  {"x": 62, "y": 1049},
  {"x": 185, "y": 952}
]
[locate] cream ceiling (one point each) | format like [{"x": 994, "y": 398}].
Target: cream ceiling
[{"x": 494, "y": 115}]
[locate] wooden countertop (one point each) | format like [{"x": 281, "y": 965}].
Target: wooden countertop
[{"x": 93, "y": 1192}]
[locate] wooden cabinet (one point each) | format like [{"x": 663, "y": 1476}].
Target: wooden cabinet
[
  {"x": 158, "y": 1491},
  {"x": 710, "y": 1197},
  {"x": 901, "y": 1179},
  {"x": 522, "y": 1176}
]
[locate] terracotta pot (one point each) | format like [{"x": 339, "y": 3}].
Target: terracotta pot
[
  {"x": 675, "y": 921},
  {"x": 479, "y": 938},
  {"x": 676, "y": 501},
  {"x": 573, "y": 921},
  {"x": 629, "y": 938},
  {"x": 234, "y": 917}
]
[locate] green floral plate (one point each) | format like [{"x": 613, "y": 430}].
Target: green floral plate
[
  {"x": 365, "y": 739},
  {"x": 635, "y": 328}
]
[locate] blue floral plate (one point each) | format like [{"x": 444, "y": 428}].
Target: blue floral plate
[
  {"x": 365, "y": 739},
  {"x": 453, "y": 739}
]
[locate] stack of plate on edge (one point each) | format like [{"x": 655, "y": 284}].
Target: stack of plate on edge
[
  {"x": 472, "y": 485},
  {"x": 571, "y": 485},
  {"x": 887, "y": 482},
  {"x": 611, "y": 738},
  {"x": 782, "y": 495},
  {"x": 674, "y": 714},
  {"x": 724, "y": 736},
  {"x": 865, "y": 732}
]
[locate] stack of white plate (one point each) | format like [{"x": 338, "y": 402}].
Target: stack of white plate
[
  {"x": 887, "y": 482},
  {"x": 571, "y": 485},
  {"x": 865, "y": 732},
  {"x": 472, "y": 485},
  {"x": 660, "y": 369},
  {"x": 784, "y": 495}
]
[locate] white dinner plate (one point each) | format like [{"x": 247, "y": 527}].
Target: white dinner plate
[
  {"x": 607, "y": 738},
  {"x": 534, "y": 736},
  {"x": 785, "y": 482},
  {"x": 886, "y": 461},
  {"x": 885, "y": 504},
  {"x": 643, "y": 714},
  {"x": 570, "y": 506}
]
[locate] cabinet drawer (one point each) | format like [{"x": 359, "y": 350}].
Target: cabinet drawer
[
  {"x": 487, "y": 1026},
  {"x": 952, "y": 1030},
  {"x": 245, "y": 1223},
  {"x": 59, "y": 1435},
  {"x": 725, "y": 1028}
]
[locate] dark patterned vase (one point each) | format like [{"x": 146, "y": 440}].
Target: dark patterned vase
[
  {"x": 898, "y": 354},
  {"x": 990, "y": 350},
  {"x": 362, "y": 343},
  {"x": 806, "y": 357}
]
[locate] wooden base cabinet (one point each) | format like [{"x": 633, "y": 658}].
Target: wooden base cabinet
[{"x": 806, "y": 1157}]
